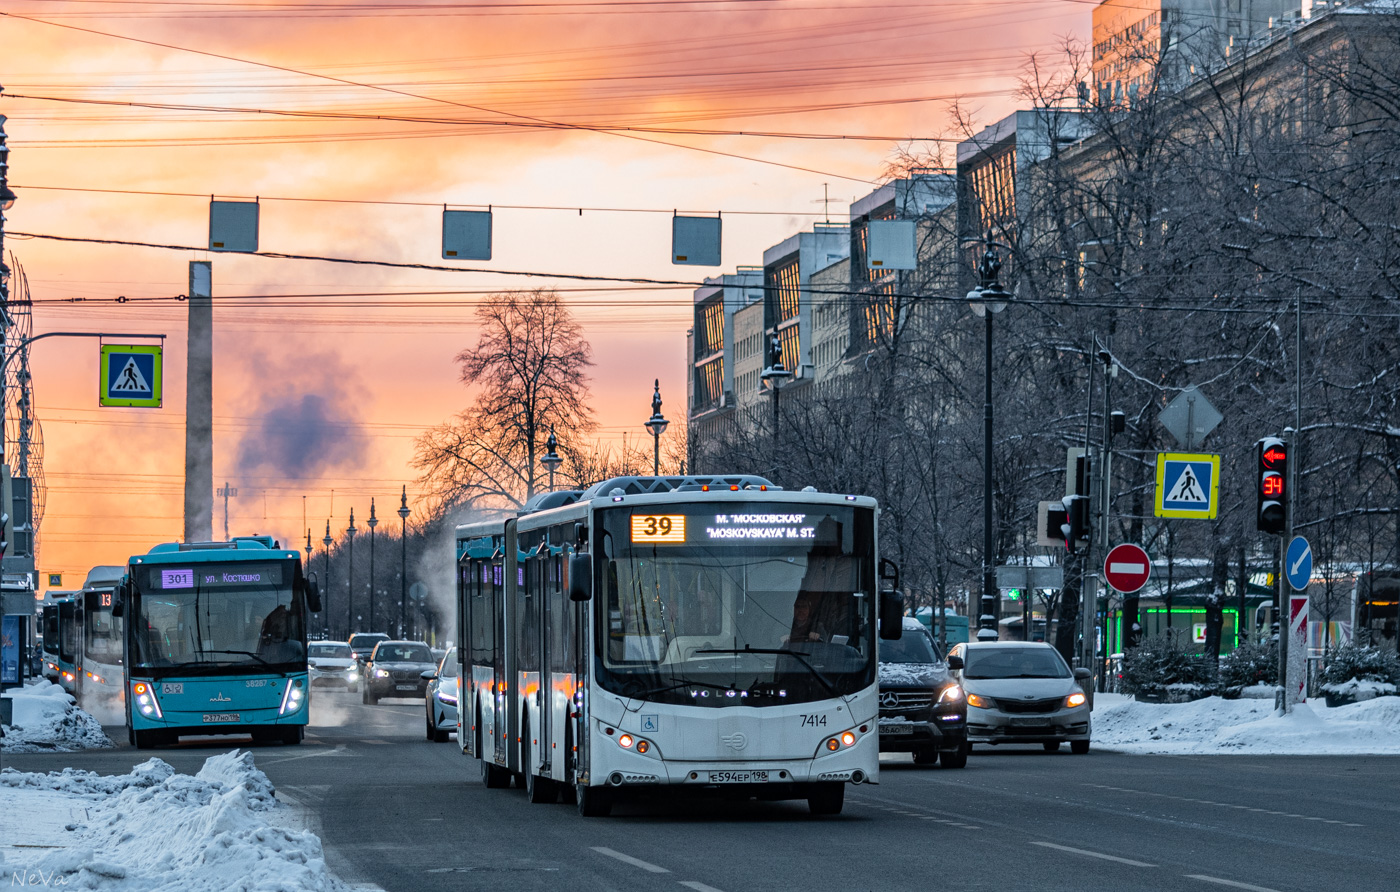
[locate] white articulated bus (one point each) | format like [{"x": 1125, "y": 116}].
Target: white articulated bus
[{"x": 676, "y": 635}]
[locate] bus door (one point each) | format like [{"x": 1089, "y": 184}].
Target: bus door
[{"x": 507, "y": 666}]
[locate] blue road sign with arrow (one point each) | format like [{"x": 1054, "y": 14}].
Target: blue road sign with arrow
[{"x": 1297, "y": 563}]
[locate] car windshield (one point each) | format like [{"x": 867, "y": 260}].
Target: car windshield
[
  {"x": 449, "y": 666},
  {"x": 366, "y": 642},
  {"x": 339, "y": 651},
  {"x": 766, "y": 606},
  {"x": 217, "y": 615},
  {"x": 402, "y": 653},
  {"x": 915, "y": 646},
  {"x": 1014, "y": 662}
]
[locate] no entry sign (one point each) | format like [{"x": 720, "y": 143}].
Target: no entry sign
[{"x": 1126, "y": 568}]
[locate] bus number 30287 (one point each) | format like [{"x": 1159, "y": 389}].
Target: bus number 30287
[{"x": 814, "y": 721}]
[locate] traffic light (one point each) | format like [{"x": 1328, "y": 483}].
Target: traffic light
[
  {"x": 1273, "y": 485},
  {"x": 1076, "y": 526}
]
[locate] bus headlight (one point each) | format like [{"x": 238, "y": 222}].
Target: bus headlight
[
  {"x": 146, "y": 699},
  {"x": 292, "y": 698},
  {"x": 844, "y": 740}
]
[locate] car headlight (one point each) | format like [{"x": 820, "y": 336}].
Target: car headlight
[
  {"x": 979, "y": 702},
  {"x": 951, "y": 694},
  {"x": 350, "y": 670},
  {"x": 446, "y": 697},
  {"x": 1075, "y": 699},
  {"x": 381, "y": 673}
]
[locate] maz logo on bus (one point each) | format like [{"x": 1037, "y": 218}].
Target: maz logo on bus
[{"x": 813, "y": 721}]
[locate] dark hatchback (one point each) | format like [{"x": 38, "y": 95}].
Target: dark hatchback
[
  {"x": 395, "y": 669},
  {"x": 922, "y": 708}
]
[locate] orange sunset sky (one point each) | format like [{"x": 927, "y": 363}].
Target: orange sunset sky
[{"x": 378, "y": 365}]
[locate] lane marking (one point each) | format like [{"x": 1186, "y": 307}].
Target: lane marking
[
  {"x": 1089, "y": 854},
  {"x": 698, "y": 886},
  {"x": 628, "y": 859},
  {"x": 1233, "y": 884},
  {"x": 1261, "y": 811},
  {"x": 923, "y": 816}
]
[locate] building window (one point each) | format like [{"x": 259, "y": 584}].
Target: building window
[{"x": 709, "y": 326}]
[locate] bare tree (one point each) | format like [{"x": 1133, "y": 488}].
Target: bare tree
[{"x": 529, "y": 367}]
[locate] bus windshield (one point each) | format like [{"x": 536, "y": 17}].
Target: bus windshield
[
  {"x": 736, "y": 604},
  {"x": 217, "y": 615},
  {"x": 103, "y": 631}
]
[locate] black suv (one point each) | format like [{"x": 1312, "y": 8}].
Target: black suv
[
  {"x": 395, "y": 669},
  {"x": 922, "y": 709}
]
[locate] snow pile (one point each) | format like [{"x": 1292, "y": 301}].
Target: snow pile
[
  {"x": 157, "y": 831},
  {"x": 1213, "y": 725},
  {"x": 47, "y": 719}
]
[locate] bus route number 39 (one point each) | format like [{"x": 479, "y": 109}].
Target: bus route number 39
[
  {"x": 814, "y": 721},
  {"x": 654, "y": 528}
]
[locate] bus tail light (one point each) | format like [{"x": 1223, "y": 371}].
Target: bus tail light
[{"x": 146, "y": 699}]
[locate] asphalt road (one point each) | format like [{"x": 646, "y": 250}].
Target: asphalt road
[{"x": 401, "y": 814}]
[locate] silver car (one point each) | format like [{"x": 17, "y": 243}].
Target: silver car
[
  {"x": 1023, "y": 692},
  {"x": 330, "y": 665},
  {"x": 440, "y": 703}
]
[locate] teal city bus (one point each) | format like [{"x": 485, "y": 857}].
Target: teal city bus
[{"x": 216, "y": 641}]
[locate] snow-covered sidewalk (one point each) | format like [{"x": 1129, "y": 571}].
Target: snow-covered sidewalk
[
  {"x": 1214, "y": 725},
  {"x": 47, "y": 720},
  {"x": 157, "y": 831}
]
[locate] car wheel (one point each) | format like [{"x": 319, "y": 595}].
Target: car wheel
[
  {"x": 826, "y": 798},
  {"x": 593, "y": 802},
  {"x": 955, "y": 758},
  {"x": 1052, "y": 747},
  {"x": 926, "y": 757},
  {"x": 431, "y": 731},
  {"x": 1079, "y": 747}
]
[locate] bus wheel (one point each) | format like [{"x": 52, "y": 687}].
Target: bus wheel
[
  {"x": 826, "y": 798},
  {"x": 292, "y": 736},
  {"x": 540, "y": 789},
  {"x": 493, "y": 777},
  {"x": 145, "y": 740},
  {"x": 593, "y": 802}
]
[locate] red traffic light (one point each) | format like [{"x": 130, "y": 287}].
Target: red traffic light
[
  {"x": 1271, "y": 485},
  {"x": 1272, "y": 457}
]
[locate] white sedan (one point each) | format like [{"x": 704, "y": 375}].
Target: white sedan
[{"x": 1023, "y": 692}]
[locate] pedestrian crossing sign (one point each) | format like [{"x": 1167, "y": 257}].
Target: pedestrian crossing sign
[
  {"x": 1188, "y": 485},
  {"x": 130, "y": 376}
]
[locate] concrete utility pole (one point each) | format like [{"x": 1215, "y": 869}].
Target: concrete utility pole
[{"x": 199, "y": 406}]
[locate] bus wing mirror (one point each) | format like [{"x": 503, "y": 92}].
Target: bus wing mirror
[
  {"x": 119, "y": 598},
  {"x": 889, "y": 574},
  {"x": 891, "y": 615},
  {"x": 580, "y": 577},
  {"x": 313, "y": 594}
]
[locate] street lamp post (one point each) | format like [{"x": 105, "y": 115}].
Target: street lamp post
[
  {"x": 371, "y": 523},
  {"x": 350, "y": 573},
  {"x": 774, "y": 375},
  {"x": 986, "y": 300},
  {"x": 657, "y": 425},
  {"x": 551, "y": 458},
  {"x": 326, "y": 586},
  {"x": 403, "y": 557},
  {"x": 308, "y": 555}
]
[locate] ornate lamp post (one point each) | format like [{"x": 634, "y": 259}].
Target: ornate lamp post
[
  {"x": 774, "y": 375},
  {"x": 657, "y": 425},
  {"x": 326, "y": 543},
  {"x": 403, "y": 561},
  {"x": 371, "y": 523},
  {"x": 350, "y": 573},
  {"x": 551, "y": 458},
  {"x": 986, "y": 300}
]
